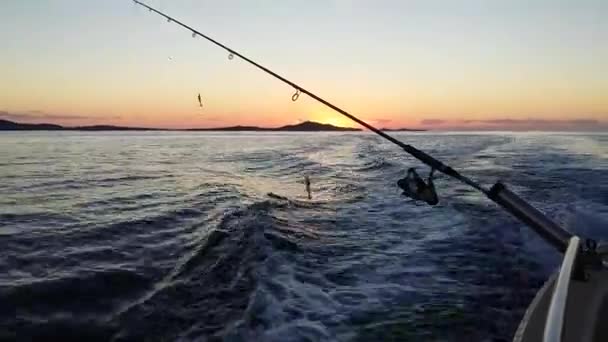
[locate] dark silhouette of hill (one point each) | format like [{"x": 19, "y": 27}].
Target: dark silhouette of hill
[
  {"x": 315, "y": 126},
  {"x": 402, "y": 130},
  {"x": 307, "y": 126},
  {"x": 233, "y": 129},
  {"x": 111, "y": 128},
  {"x": 6, "y": 125}
]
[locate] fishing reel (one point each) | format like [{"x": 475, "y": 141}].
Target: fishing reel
[{"x": 416, "y": 188}]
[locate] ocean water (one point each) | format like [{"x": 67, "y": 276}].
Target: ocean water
[{"x": 152, "y": 236}]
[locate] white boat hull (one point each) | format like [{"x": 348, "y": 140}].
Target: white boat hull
[{"x": 586, "y": 314}]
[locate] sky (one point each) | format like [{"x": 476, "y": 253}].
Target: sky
[{"x": 445, "y": 65}]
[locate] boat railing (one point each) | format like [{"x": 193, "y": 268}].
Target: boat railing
[{"x": 557, "y": 308}]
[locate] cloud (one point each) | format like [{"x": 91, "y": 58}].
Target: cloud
[
  {"x": 381, "y": 121},
  {"x": 41, "y": 115},
  {"x": 519, "y": 124},
  {"x": 432, "y": 122},
  {"x": 577, "y": 122}
]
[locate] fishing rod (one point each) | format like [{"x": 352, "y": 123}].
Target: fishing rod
[
  {"x": 549, "y": 230},
  {"x": 423, "y": 157}
]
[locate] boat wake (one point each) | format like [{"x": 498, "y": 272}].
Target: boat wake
[{"x": 194, "y": 248}]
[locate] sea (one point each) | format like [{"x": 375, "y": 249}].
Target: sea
[{"x": 171, "y": 236}]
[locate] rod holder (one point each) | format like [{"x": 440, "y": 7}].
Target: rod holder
[{"x": 542, "y": 225}]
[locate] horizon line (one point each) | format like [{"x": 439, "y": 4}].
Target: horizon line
[{"x": 253, "y": 128}]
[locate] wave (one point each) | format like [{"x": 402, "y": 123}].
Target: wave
[
  {"x": 126, "y": 179},
  {"x": 201, "y": 255},
  {"x": 62, "y": 184},
  {"x": 377, "y": 164},
  {"x": 214, "y": 282},
  {"x": 67, "y": 308},
  {"x": 40, "y": 220},
  {"x": 82, "y": 183},
  {"x": 67, "y": 293}
]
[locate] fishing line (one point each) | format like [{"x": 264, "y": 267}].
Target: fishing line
[
  {"x": 499, "y": 193},
  {"x": 420, "y": 155}
]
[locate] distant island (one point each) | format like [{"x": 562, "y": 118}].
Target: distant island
[
  {"x": 306, "y": 126},
  {"x": 6, "y": 125},
  {"x": 402, "y": 130}
]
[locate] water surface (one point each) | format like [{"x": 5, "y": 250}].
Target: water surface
[{"x": 170, "y": 236}]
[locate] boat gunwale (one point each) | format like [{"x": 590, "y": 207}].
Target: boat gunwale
[{"x": 554, "y": 323}]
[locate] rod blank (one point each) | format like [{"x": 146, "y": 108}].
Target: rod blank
[
  {"x": 416, "y": 153},
  {"x": 550, "y": 231}
]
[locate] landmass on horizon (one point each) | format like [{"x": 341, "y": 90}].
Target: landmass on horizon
[{"x": 306, "y": 126}]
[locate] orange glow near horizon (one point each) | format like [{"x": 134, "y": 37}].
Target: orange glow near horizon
[
  {"x": 472, "y": 67},
  {"x": 334, "y": 119}
]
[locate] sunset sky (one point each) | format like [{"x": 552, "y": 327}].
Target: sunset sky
[{"x": 483, "y": 64}]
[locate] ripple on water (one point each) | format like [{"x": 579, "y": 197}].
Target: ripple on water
[{"x": 135, "y": 236}]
